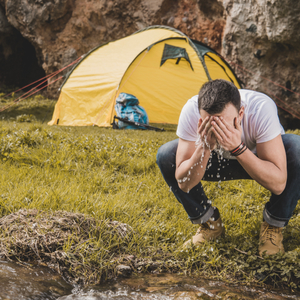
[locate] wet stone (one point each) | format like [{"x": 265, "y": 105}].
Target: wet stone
[
  {"x": 123, "y": 270},
  {"x": 24, "y": 281}
]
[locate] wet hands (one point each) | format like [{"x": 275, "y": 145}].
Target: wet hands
[
  {"x": 227, "y": 135},
  {"x": 206, "y": 134}
]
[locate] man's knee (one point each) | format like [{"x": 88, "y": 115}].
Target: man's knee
[
  {"x": 292, "y": 147},
  {"x": 160, "y": 155},
  {"x": 166, "y": 154}
]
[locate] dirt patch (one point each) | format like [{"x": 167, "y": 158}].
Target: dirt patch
[
  {"x": 62, "y": 240},
  {"x": 80, "y": 248}
]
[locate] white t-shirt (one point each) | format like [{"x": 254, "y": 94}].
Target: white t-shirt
[{"x": 260, "y": 122}]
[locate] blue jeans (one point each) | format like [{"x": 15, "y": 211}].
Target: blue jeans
[{"x": 278, "y": 210}]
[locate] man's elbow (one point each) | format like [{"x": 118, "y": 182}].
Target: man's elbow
[
  {"x": 279, "y": 188},
  {"x": 182, "y": 183},
  {"x": 186, "y": 183},
  {"x": 184, "y": 187}
]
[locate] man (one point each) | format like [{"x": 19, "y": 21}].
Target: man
[{"x": 227, "y": 134}]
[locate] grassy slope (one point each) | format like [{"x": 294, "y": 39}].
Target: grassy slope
[{"x": 112, "y": 174}]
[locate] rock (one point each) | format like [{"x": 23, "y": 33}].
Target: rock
[
  {"x": 261, "y": 39},
  {"x": 123, "y": 270},
  {"x": 5, "y": 27},
  {"x": 61, "y": 31}
]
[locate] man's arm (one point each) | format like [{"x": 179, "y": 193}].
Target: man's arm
[
  {"x": 191, "y": 161},
  {"x": 268, "y": 168}
]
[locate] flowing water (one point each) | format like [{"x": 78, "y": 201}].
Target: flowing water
[{"x": 26, "y": 282}]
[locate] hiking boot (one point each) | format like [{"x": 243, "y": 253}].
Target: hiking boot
[
  {"x": 270, "y": 239},
  {"x": 207, "y": 232}
]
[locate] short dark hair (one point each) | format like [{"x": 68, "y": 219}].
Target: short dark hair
[{"x": 214, "y": 95}]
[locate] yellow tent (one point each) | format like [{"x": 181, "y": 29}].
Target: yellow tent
[{"x": 159, "y": 65}]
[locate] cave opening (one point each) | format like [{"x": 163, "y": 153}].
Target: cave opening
[{"x": 18, "y": 60}]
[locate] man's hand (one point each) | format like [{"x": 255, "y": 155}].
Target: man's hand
[
  {"x": 205, "y": 130},
  {"x": 228, "y": 136}
]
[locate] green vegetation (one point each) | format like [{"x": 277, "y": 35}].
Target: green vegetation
[{"x": 107, "y": 174}]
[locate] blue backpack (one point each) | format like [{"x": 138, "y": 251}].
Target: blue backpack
[{"x": 128, "y": 108}]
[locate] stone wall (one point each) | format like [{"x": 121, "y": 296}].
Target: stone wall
[{"x": 262, "y": 40}]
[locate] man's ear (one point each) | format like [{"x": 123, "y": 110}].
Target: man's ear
[{"x": 241, "y": 113}]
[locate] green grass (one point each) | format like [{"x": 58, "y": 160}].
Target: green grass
[{"x": 112, "y": 174}]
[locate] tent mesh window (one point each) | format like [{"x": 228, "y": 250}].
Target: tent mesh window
[{"x": 172, "y": 52}]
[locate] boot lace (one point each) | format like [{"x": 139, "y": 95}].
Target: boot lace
[
  {"x": 270, "y": 233},
  {"x": 204, "y": 229}
]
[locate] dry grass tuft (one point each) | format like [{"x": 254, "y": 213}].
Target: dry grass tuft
[{"x": 57, "y": 239}]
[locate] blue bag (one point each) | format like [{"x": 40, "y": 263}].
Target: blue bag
[{"x": 127, "y": 107}]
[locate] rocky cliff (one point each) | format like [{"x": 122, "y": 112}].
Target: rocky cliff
[
  {"x": 259, "y": 38},
  {"x": 262, "y": 40}
]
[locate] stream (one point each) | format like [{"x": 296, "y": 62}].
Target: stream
[{"x": 19, "y": 281}]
